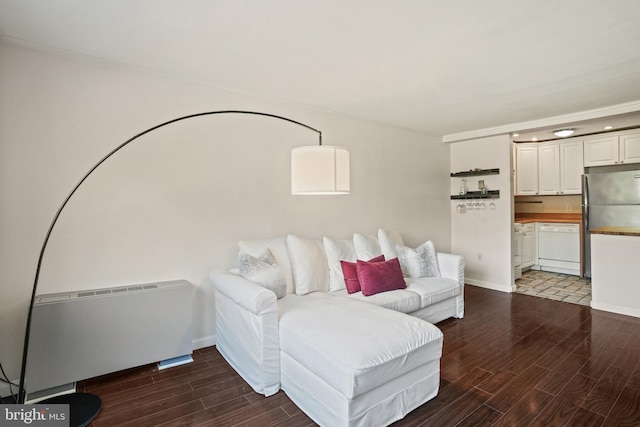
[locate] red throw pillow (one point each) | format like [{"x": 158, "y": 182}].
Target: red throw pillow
[
  {"x": 350, "y": 274},
  {"x": 376, "y": 277}
]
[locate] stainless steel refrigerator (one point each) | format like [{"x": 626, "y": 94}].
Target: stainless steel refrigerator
[{"x": 608, "y": 199}]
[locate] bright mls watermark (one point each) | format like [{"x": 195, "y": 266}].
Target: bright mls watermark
[{"x": 34, "y": 415}]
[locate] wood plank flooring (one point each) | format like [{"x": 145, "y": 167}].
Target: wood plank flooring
[{"x": 514, "y": 360}]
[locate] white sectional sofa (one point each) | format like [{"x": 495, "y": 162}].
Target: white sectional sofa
[{"x": 344, "y": 358}]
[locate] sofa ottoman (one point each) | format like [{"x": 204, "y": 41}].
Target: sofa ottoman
[{"x": 349, "y": 363}]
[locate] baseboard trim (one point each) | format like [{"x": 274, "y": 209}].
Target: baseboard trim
[
  {"x": 202, "y": 342},
  {"x": 627, "y": 311},
  {"x": 487, "y": 285}
]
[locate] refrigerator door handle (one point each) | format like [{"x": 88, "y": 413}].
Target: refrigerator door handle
[
  {"x": 585, "y": 190},
  {"x": 585, "y": 267}
]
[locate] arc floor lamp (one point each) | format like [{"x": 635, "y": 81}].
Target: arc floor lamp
[{"x": 314, "y": 170}]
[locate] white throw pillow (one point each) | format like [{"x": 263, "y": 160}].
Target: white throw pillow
[
  {"x": 278, "y": 247},
  {"x": 367, "y": 246},
  {"x": 388, "y": 241},
  {"x": 419, "y": 262},
  {"x": 309, "y": 265},
  {"x": 263, "y": 270},
  {"x": 338, "y": 250}
]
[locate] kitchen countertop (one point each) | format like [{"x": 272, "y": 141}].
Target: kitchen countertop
[
  {"x": 525, "y": 218},
  {"x": 619, "y": 231}
]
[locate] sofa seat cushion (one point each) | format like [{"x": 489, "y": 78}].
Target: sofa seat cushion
[
  {"x": 402, "y": 300},
  {"x": 433, "y": 289},
  {"x": 353, "y": 346}
]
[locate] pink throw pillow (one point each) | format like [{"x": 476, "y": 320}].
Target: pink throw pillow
[
  {"x": 350, "y": 274},
  {"x": 376, "y": 277}
]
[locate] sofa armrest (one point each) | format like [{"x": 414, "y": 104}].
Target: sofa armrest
[
  {"x": 247, "y": 294},
  {"x": 247, "y": 330},
  {"x": 451, "y": 266}
]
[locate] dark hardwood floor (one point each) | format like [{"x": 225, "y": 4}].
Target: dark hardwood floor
[{"x": 514, "y": 360}]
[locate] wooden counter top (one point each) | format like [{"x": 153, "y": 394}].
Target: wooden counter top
[
  {"x": 524, "y": 218},
  {"x": 619, "y": 231}
]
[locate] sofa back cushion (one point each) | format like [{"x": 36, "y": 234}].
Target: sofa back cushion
[
  {"x": 308, "y": 264},
  {"x": 336, "y": 251},
  {"x": 388, "y": 241},
  {"x": 366, "y": 245}
]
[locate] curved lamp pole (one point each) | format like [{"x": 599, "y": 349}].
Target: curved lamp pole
[{"x": 21, "y": 389}]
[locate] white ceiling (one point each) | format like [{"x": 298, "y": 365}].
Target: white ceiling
[{"x": 441, "y": 67}]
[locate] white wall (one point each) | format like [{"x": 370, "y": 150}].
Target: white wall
[
  {"x": 484, "y": 234},
  {"x": 175, "y": 202}
]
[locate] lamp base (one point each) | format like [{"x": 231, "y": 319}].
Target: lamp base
[{"x": 83, "y": 407}]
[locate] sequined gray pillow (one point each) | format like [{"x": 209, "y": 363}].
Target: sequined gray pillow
[
  {"x": 419, "y": 262},
  {"x": 263, "y": 270}
]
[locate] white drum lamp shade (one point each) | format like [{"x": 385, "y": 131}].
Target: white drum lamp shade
[{"x": 320, "y": 169}]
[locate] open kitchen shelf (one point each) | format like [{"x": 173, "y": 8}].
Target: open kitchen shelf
[
  {"x": 491, "y": 194},
  {"x": 476, "y": 172}
]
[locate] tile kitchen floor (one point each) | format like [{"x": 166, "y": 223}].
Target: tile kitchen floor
[{"x": 556, "y": 286}]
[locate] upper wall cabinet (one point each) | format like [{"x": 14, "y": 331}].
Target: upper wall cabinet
[
  {"x": 601, "y": 151},
  {"x": 549, "y": 168},
  {"x": 571, "y": 167},
  {"x": 630, "y": 147},
  {"x": 526, "y": 169},
  {"x": 612, "y": 149}
]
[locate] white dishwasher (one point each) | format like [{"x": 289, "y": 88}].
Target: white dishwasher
[{"x": 559, "y": 247}]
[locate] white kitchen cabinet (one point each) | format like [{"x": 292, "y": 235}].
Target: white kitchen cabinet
[
  {"x": 548, "y": 169},
  {"x": 614, "y": 277},
  {"x": 629, "y": 147},
  {"x": 601, "y": 151},
  {"x": 526, "y": 169},
  {"x": 529, "y": 244},
  {"x": 612, "y": 149},
  {"x": 571, "y": 167}
]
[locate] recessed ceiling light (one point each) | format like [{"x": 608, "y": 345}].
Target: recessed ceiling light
[
  {"x": 563, "y": 133},
  {"x": 534, "y": 139},
  {"x": 608, "y": 127},
  {"x": 515, "y": 134}
]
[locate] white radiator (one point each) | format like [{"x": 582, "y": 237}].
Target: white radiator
[{"x": 84, "y": 334}]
